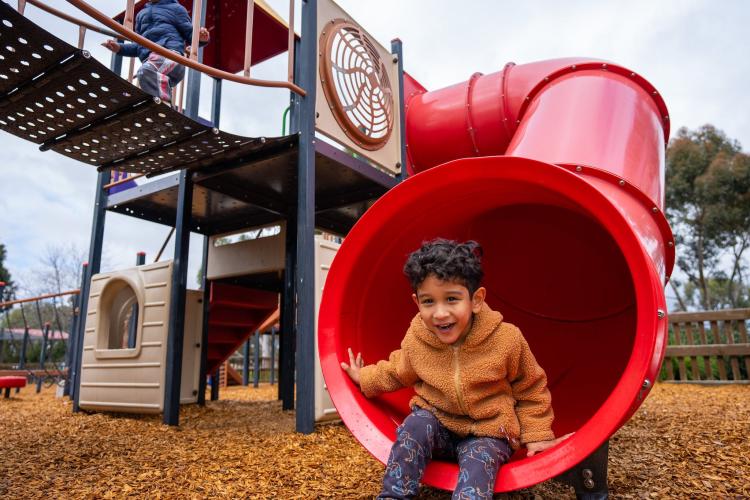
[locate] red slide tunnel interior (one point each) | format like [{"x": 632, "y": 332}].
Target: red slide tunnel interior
[{"x": 575, "y": 255}]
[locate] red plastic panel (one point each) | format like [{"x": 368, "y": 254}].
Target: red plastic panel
[
  {"x": 226, "y": 21},
  {"x": 562, "y": 262},
  {"x": 598, "y": 118}
]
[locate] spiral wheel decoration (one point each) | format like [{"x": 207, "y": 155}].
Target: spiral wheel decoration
[{"x": 356, "y": 84}]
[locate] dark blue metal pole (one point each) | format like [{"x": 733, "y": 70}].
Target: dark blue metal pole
[
  {"x": 305, "y": 279},
  {"x": 246, "y": 363},
  {"x": 25, "y": 344},
  {"x": 287, "y": 332},
  {"x": 76, "y": 334},
  {"x": 95, "y": 260},
  {"x": 177, "y": 310},
  {"x": 42, "y": 355},
  {"x": 272, "y": 377},
  {"x": 204, "y": 327},
  {"x": 192, "y": 100},
  {"x": 288, "y": 326},
  {"x": 397, "y": 51},
  {"x": 43, "y": 345},
  {"x": 215, "y": 385},
  {"x": 256, "y": 359},
  {"x": 71, "y": 344},
  {"x": 216, "y": 103}
]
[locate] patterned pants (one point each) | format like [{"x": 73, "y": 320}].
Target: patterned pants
[
  {"x": 422, "y": 437},
  {"x": 159, "y": 75}
]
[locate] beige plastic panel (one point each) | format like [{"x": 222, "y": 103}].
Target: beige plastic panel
[
  {"x": 389, "y": 156},
  {"x": 191, "y": 347},
  {"x": 325, "y": 251},
  {"x": 132, "y": 379},
  {"x": 246, "y": 257},
  {"x": 126, "y": 380}
]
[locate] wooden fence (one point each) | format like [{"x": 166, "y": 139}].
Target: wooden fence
[{"x": 708, "y": 347}]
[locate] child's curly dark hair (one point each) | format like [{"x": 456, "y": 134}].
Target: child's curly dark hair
[{"x": 447, "y": 260}]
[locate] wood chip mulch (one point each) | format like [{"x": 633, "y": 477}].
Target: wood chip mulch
[{"x": 685, "y": 441}]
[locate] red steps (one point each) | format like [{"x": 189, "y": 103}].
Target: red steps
[{"x": 234, "y": 314}]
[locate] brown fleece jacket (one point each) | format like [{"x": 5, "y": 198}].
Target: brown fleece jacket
[{"x": 489, "y": 384}]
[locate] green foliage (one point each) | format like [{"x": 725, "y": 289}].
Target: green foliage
[
  {"x": 708, "y": 206},
  {"x": 7, "y": 293}
]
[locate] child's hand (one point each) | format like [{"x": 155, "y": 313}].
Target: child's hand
[
  {"x": 352, "y": 369},
  {"x": 540, "y": 446},
  {"x": 204, "y": 36},
  {"x": 112, "y": 45}
]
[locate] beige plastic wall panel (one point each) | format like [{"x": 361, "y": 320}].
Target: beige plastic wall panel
[
  {"x": 127, "y": 380},
  {"x": 246, "y": 257},
  {"x": 389, "y": 155},
  {"x": 325, "y": 251},
  {"x": 191, "y": 350}
]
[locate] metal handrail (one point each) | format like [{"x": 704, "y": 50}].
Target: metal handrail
[
  {"x": 71, "y": 19},
  {"x": 190, "y": 63},
  {"x": 40, "y": 297}
]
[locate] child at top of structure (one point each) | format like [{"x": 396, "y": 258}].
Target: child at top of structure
[
  {"x": 166, "y": 23},
  {"x": 480, "y": 393}
]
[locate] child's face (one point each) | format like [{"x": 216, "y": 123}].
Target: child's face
[{"x": 446, "y": 307}]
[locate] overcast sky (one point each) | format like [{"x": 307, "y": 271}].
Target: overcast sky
[{"x": 693, "y": 51}]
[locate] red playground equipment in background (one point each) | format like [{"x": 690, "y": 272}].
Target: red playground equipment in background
[
  {"x": 577, "y": 248},
  {"x": 12, "y": 382}
]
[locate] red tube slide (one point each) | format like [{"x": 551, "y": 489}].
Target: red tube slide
[{"x": 577, "y": 249}]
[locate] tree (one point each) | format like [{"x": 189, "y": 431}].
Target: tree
[
  {"x": 708, "y": 206},
  {"x": 60, "y": 269},
  {"x": 7, "y": 293}
]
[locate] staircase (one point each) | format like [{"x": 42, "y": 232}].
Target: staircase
[{"x": 234, "y": 314}]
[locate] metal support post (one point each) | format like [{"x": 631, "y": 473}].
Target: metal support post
[
  {"x": 115, "y": 63},
  {"x": 215, "y": 385},
  {"x": 76, "y": 334},
  {"x": 177, "y": 310},
  {"x": 305, "y": 258},
  {"x": 246, "y": 363},
  {"x": 42, "y": 355},
  {"x": 589, "y": 478},
  {"x": 95, "y": 260},
  {"x": 272, "y": 376},
  {"x": 192, "y": 100},
  {"x": 71, "y": 344},
  {"x": 397, "y": 51},
  {"x": 25, "y": 344},
  {"x": 216, "y": 102},
  {"x": 256, "y": 359},
  {"x": 287, "y": 332},
  {"x": 204, "y": 327}
]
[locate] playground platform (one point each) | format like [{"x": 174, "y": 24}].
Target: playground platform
[{"x": 686, "y": 441}]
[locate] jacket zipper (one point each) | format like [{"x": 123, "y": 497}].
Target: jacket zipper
[{"x": 457, "y": 380}]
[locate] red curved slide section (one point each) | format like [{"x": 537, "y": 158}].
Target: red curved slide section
[{"x": 577, "y": 249}]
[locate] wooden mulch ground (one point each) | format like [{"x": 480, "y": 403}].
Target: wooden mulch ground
[{"x": 685, "y": 441}]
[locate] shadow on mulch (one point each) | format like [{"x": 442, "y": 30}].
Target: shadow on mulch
[{"x": 684, "y": 441}]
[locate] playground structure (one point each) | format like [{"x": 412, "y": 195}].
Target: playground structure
[
  {"x": 578, "y": 249},
  {"x": 36, "y": 349}
]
